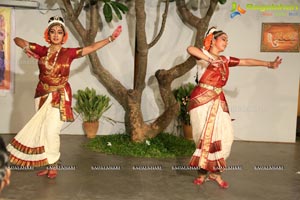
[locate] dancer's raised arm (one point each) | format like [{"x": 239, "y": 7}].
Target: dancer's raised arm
[
  {"x": 24, "y": 44},
  {"x": 98, "y": 45},
  {"x": 254, "y": 62}
]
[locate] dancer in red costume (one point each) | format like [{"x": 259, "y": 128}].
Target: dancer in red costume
[
  {"x": 38, "y": 143},
  {"x": 210, "y": 119}
]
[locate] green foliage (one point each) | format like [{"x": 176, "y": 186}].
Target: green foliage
[
  {"x": 89, "y": 105},
  {"x": 162, "y": 146},
  {"x": 222, "y": 1},
  {"x": 107, "y": 12},
  {"x": 182, "y": 95},
  {"x": 117, "y": 7}
]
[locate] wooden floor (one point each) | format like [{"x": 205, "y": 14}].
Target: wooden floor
[{"x": 256, "y": 171}]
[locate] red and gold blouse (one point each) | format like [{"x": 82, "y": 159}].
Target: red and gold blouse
[
  {"x": 53, "y": 77},
  {"x": 211, "y": 83}
]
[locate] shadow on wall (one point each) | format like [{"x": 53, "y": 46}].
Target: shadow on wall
[{"x": 23, "y": 99}]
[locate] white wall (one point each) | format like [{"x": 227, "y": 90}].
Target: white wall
[{"x": 263, "y": 102}]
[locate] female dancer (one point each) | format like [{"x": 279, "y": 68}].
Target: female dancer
[
  {"x": 37, "y": 144},
  {"x": 210, "y": 119}
]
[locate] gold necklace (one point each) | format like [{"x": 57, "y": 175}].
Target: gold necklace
[
  {"x": 223, "y": 72},
  {"x": 48, "y": 66}
]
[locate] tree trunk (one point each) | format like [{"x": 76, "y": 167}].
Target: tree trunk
[
  {"x": 130, "y": 99},
  {"x": 166, "y": 77}
]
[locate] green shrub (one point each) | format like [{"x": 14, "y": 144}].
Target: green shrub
[
  {"x": 182, "y": 95},
  {"x": 162, "y": 146},
  {"x": 89, "y": 105}
]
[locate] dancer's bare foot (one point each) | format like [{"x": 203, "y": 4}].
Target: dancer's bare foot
[
  {"x": 216, "y": 177},
  {"x": 43, "y": 172},
  {"x": 200, "y": 180},
  {"x": 52, "y": 173}
]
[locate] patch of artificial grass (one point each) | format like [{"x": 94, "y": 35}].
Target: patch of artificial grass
[{"x": 163, "y": 146}]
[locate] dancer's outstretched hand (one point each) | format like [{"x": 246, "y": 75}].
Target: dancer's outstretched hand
[
  {"x": 275, "y": 64},
  {"x": 116, "y": 32}
]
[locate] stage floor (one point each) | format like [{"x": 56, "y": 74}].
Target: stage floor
[{"x": 255, "y": 171}]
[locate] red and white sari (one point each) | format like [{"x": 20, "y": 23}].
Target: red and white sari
[
  {"x": 210, "y": 119},
  {"x": 38, "y": 143}
]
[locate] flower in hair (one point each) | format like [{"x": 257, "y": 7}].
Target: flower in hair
[
  {"x": 46, "y": 36},
  {"x": 207, "y": 41}
]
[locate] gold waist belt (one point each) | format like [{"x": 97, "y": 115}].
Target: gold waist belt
[
  {"x": 210, "y": 87},
  {"x": 51, "y": 87}
]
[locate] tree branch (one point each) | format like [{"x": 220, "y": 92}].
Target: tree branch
[
  {"x": 186, "y": 15},
  {"x": 94, "y": 25},
  {"x": 74, "y": 20},
  {"x": 113, "y": 86},
  {"x": 163, "y": 24},
  {"x": 202, "y": 26},
  {"x": 166, "y": 77},
  {"x": 162, "y": 122},
  {"x": 141, "y": 52},
  {"x": 211, "y": 10},
  {"x": 79, "y": 8}
]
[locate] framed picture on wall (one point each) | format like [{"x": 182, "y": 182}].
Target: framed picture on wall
[
  {"x": 280, "y": 37},
  {"x": 5, "y": 39}
]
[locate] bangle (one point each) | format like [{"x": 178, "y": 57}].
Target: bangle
[
  {"x": 210, "y": 60},
  {"x": 25, "y": 48},
  {"x": 269, "y": 65},
  {"x": 110, "y": 39}
]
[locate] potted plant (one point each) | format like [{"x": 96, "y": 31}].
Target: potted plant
[
  {"x": 90, "y": 106},
  {"x": 182, "y": 95}
]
